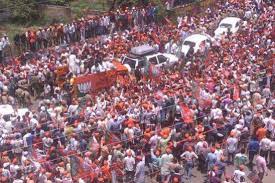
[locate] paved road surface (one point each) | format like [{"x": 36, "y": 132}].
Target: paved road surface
[{"x": 198, "y": 177}]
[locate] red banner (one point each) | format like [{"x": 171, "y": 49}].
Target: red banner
[{"x": 95, "y": 82}]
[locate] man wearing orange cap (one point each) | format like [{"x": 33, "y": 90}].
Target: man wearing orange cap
[{"x": 165, "y": 138}]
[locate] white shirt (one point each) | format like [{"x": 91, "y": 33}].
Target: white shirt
[
  {"x": 166, "y": 159},
  {"x": 18, "y": 181},
  {"x": 265, "y": 144},
  {"x": 8, "y": 126},
  {"x": 5, "y": 41},
  {"x": 154, "y": 141},
  {"x": 269, "y": 123},
  {"x": 27, "y": 135},
  {"x": 33, "y": 122},
  {"x": 219, "y": 154},
  {"x": 236, "y": 132},
  {"x": 272, "y": 146},
  {"x": 129, "y": 163},
  {"x": 232, "y": 144},
  {"x": 237, "y": 175},
  {"x": 129, "y": 132},
  {"x": 71, "y": 62},
  {"x": 1, "y": 45}
]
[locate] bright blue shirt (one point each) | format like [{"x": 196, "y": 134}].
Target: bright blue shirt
[{"x": 253, "y": 145}]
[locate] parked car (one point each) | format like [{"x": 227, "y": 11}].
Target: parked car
[
  {"x": 228, "y": 24},
  {"x": 140, "y": 56},
  {"x": 6, "y": 110},
  {"x": 195, "y": 42}
]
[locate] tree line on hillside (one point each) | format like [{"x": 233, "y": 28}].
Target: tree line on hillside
[{"x": 26, "y": 10}]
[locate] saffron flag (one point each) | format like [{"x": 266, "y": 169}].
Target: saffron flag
[
  {"x": 187, "y": 114},
  {"x": 236, "y": 92}
]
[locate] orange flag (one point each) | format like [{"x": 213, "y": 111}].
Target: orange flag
[
  {"x": 187, "y": 114},
  {"x": 236, "y": 92}
]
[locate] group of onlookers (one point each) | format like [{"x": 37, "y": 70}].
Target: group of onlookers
[{"x": 85, "y": 28}]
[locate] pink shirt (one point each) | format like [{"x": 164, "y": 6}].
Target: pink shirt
[
  {"x": 272, "y": 145},
  {"x": 261, "y": 164}
]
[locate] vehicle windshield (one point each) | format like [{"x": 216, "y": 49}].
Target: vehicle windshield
[
  {"x": 226, "y": 25},
  {"x": 189, "y": 43},
  {"x": 130, "y": 62}
]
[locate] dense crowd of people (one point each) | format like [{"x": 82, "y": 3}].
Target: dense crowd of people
[{"x": 215, "y": 111}]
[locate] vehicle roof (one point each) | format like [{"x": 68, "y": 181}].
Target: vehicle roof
[
  {"x": 6, "y": 109},
  {"x": 134, "y": 56},
  {"x": 196, "y": 38},
  {"x": 142, "y": 50},
  {"x": 230, "y": 20}
]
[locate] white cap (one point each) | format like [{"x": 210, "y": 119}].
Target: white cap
[
  {"x": 259, "y": 107},
  {"x": 43, "y": 108},
  {"x": 5, "y": 165}
]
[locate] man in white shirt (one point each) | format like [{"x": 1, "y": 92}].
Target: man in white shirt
[
  {"x": 265, "y": 147},
  {"x": 269, "y": 122},
  {"x": 272, "y": 152},
  {"x": 154, "y": 140},
  {"x": 72, "y": 63},
  {"x": 129, "y": 166},
  {"x": 216, "y": 113},
  {"x": 1, "y": 50},
  {"x": 232, "y": 143},
  {"x": 261, "y": 166},
  {"x": 238, "y": 174},
  {"x": 140, "y": 170},
  {"x": 165, "y": 160},
  {"x": 5, "y": 40}
]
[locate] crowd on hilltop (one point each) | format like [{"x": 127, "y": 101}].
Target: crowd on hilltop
[
  {"x": 216, "y": 111},
  {"x": 85, "y": 28}
]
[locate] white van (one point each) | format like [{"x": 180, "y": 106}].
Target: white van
[
  {"x": 195, "y": 41},
  {"x": 231, "y": 24},
  {"x": 140, "y": 56}
]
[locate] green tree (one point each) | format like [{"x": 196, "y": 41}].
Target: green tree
[
  {"x": 22, "y": 10},
  {"x": 161, "y": 11}
]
